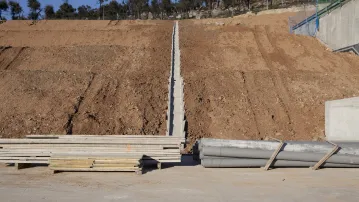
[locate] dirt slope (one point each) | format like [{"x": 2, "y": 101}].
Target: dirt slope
[
  {"x": 84, "y": 77},
  {"x": 251, "y": 79}
]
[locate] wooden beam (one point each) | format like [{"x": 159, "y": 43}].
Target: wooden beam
[
  {"x": 275, "y": 153},
  {"x": 327, "y": 156}
]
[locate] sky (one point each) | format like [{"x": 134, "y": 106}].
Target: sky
[{"x": 55, "y": 3}]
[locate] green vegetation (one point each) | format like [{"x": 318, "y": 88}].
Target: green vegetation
[{"x": 134, "y": 9}]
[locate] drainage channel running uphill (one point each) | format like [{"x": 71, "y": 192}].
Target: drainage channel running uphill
[{"x": 175, "y": 114}]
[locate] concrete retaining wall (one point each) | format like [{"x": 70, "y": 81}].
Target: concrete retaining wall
[
  {"x": 342, "y": 119},
  {"x": 308, "y": 29},
  {"x": 340, "y": 28}
]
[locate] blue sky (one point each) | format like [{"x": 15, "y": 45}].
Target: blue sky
[{"x": 55, "y": 3}]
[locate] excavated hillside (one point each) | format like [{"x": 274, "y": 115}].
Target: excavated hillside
[
  {"x": 245, "y": 78},
  {"x": 248, "y": 78},
  {"x": 84, "y": 77}
]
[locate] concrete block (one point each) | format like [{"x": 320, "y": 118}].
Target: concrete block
[{"x": 342, "y": 120}]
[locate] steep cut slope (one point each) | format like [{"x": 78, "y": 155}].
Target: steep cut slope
[
  {"x": 251, "y": 79},
  {"x": 84, "y": 77}
]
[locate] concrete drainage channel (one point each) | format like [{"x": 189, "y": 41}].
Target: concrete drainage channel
[{"x": 175, "y": 113}]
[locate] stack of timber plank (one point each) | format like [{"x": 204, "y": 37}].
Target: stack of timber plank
[
  {"x": 84, "y": 163},
  {"x": 43, "y": 149}
]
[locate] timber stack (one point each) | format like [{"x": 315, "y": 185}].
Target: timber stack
[{"x": 92, "y": 152}]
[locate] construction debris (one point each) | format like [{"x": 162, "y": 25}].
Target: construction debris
[{"x": 84, "y": 152}]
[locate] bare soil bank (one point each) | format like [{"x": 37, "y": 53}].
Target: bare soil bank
[
  {"x": 86, "y": 78},
  {"x": 248, "y": 78}
]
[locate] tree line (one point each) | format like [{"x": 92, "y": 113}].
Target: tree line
[
  {"x": 107, "y": 9},
  {"x": 114, "y": 10}
]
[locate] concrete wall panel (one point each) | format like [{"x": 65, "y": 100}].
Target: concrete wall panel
[
  {"x": 340, "y": 28},
  {"x": 342, "y": 120}
]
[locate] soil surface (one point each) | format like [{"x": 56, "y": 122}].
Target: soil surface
[
  {"x": 248, "y": 78},
  {"x": 84, "y": 77},
  {"x": 245, "y": 78}
]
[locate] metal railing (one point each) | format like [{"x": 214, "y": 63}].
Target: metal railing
[{"x": 317, "y": 14}]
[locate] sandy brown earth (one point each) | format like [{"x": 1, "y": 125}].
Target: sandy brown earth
[
  {"x": 84, "y": 77},
  {"x": 248, "y": 78}
]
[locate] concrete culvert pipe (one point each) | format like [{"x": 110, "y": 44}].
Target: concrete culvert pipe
[
  {"x": 209, "y": 162},
  {"x": 283, "y": 155},
  {"x": 293, "y": 146}
]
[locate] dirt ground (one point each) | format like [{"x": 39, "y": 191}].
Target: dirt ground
[
  {"x": 84, "y": 77},
  {"x": 248, "y": 78},
  {"x": 245, "y": 78}
]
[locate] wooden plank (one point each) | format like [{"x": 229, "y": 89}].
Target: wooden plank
[
  {"x": 102, "y": 161},
  {"x": 95, "y": 136},
  {"x": 88, "y": 153},
  {"x": 87, "y": 141},
  {"x": 275, "y": 153},
  {"x": 33, "y": 150},
  {"x": 162, "y": 161},
  {"x": 92, "y": 162},
  {"x": 120, "y": 169},
  {"x": 24, "y": 158},
  {"x": 326, "y": 157},
  {"x": 114, "y": 165},
  {"x": 22, "y": 161},
  {"x": 159, "y": 146},
  {"x": 73, "y": 161},
  {"x": 70, "y": 166}
]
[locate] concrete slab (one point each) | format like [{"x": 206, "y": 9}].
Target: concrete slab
[{"x": 342, "y": 119}]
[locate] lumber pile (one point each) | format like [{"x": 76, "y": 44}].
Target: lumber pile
[
  {"x": 86, "y": 149},
  {"x": 76, "y": 163},
  {"x": 220, "y": 153}
]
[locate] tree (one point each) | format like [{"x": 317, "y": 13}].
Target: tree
[
  {"x": 15, "y": 10},
  {"x": 166, "y": 7},
  {"x": 185, "y": 5},
  {"x": 49, "y": 12},
  {"x": 35, "y": 9},
  {"x": 66, "y": 11},
  {"x": 3, "y": 7},
  {"x": 112, "y": 10},
  {"x": 83, "y": 11},
  {"x": 155, "y": 8},
  {"x": 101, "y": 2},
  {"x": 137, "y": 6}
]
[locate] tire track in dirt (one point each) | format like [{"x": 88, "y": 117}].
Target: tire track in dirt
[
  {"x": 278, "y": 55},
  {"x": 248, "y": 83},
  {"x": 69, "y": 124},
  {"x": 9, "y": 55},
  {"x": 281, "y": 92}
]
